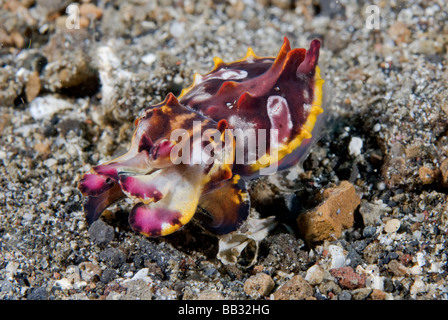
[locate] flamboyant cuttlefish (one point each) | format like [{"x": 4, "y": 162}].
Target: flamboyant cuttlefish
[{"x": 244, "y": 118}]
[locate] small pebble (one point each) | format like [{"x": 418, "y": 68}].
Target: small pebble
[
  {"x": 361, "y": 294},
  {"x": 399, "y": 32},
  {"x": 64, "y": 284},
  {"x": 444, "y": 171},
  {"x": 149, "y": 59},
  {"x": 427, "y": 175},
  {"x": 45, "y": 107},
  {"x": 315, "y": 275},
  {"x": 377, "y": 295},
  {"x": 345, "y": 295},
  {"x": 260, "y": 284},
  {"x": 294, "y": 289},
  {"x": 89, "y": 271},
  {"x": 388, "y": 285},
  {"x": 108, "y": 275},
  {"x": 113, "y": 257},
  {"x": 39, "y": 293},
  {"x": 332, "y": 216},
  {"x": 368, "y": 231},
  {"x": 392, "y": 225},
  {"x": 348, "y": 279},
  {"x": 177, "y": 29},
  {"x": 397, "y": 268},
  {"x": 417, "y": 287},
  {"x": 90, "y": 11},
  {"x": 337, "y": 256},
  {"x": 101, "y": 233},
  {"x": 142, "y": 274},
  {"x": 377, "y": 127},
  {"x": 355, "y": 146},
  {"x": 360, "y": 245},
  {"x": 210, "y": 295},
  {"x": 353, "y": 258},
  {"x": 33, "y": 86}
]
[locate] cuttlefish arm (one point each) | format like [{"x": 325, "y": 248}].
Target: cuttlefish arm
[
  {"x": 101, "y": 187},
  {"x": 225, "y": 207},
  {"x": 168, "y": 197}
]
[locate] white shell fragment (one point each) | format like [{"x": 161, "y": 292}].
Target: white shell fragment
[
  {"x": 46, "y": 107},
  {"x": 232, "y": 244},
  {"x": 355, "y": 146}
]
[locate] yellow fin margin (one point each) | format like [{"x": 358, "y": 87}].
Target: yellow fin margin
[
  {"x": 197, "y": 78},
  {"x": 316, "y": 109}
]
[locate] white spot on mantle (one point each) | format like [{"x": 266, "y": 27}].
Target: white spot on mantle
[{"x": 277, "y": 105}]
